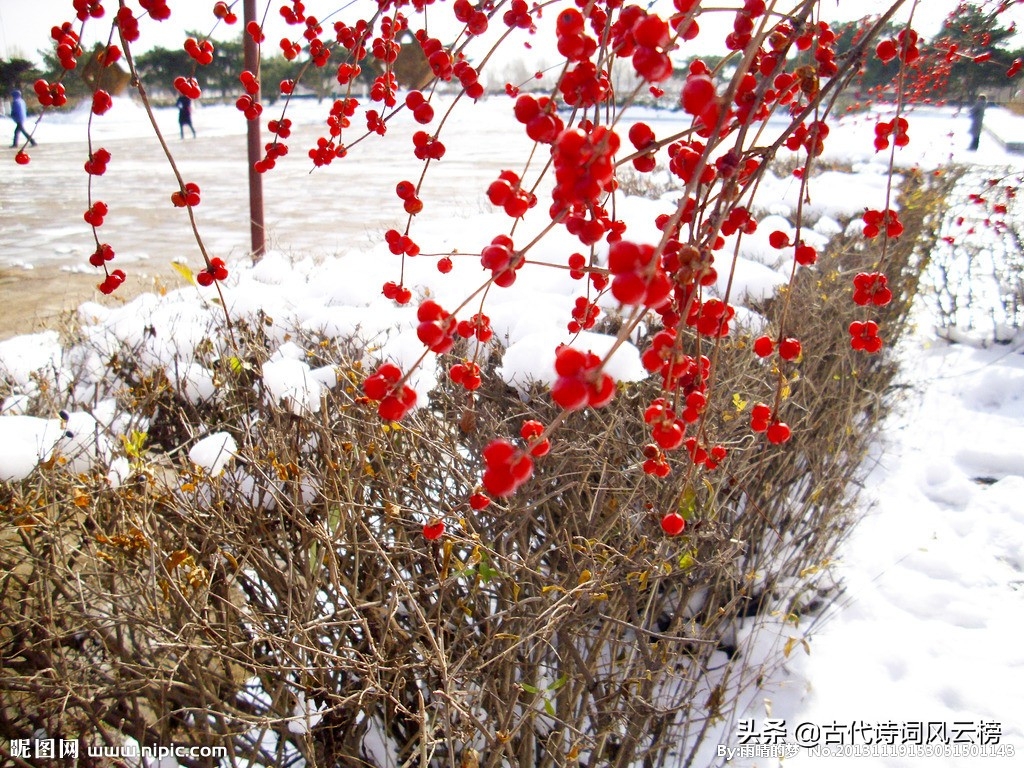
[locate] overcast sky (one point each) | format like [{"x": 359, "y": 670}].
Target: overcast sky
[{"x": 25, "y": 24}]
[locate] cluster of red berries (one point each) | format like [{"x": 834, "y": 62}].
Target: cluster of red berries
[
  {"x": 128, "y": 24},
  {"x": 255, "y": 32},
  {"x": 581, "y": 380},
  {"x": 158, "y": 10},
  {"x": 249, "y": 107},
  {"x": 436, "y": 327},
  {"x": 68, "y": 48},
  {"x": 871, "y": 288},
  {"x": 101, "y": 255},
  {"x": 540, "y": 118},
  {"x": 215, "y": 271},
  {"x": 427, "y": 147},
  {"x": 864, "y": 336},
  {"x": 506, "y": 468},
  {"x": 394, "y": 399},
  {"x": 469, "y": 78},
  {"x": 50, "y": 95},
  {"x": 502, "y": 260},
  {"x": 518, "y": 16},
  {"x": 667, "y": 429},
  {"x": 111, "y": 282},
  {"x": 86, "y": 8},
  {"x": 474, "y": 18},
  {"x": 188, "y": 86},
  {"x": 584, "y": 160},
  {"x": 790, "y": 349},
  {"x": 506, "y": 192},
  {"x": 95, "y": 214},
  {"x": 763, "y": 420},
  {"x": 406, "y": 192},
  {"x": 96, "y": 165},
  {"x": 479, "y": 325},
  {"x": 904, "y": 46},
  {"x": 186, "y": 197},
  {"x": 874, "y": 221},
  {"x": 652, "y": 37},
  {"x": 400, "y": 244},
  {"x": 638, "y": 276},
  {"x": 642, "y": 138},
  {"x": 532, "y": 433},
  {"x": 201, "y": 52},
  {"x": 584, "y": 315},
  {"x": 710, "y": 318},
  {"x": 223, "y": 12},
  {"x": 677, "y": 370},
  {"x": 422, "y": 112},
  {"x": 466, "y": 374},
  {"x": 399, "y": 294},
  {"x": 101, "y": 102},
  {"x": 897, "y": 128},
  {"x": 274, "y": 150}
]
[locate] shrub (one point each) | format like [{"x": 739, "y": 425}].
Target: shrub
[{"x": 350, "y": 577}]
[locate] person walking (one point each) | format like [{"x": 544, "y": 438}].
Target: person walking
[
  {"x": 977, "y": 118},
  {"x": 19, "y": 113},
  {"x": 185, "y": 115}
]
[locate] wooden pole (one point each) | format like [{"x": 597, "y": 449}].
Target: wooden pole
[{"x": 255, "y": 145}]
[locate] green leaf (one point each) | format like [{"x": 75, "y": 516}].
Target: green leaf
[
  {"x": 688, "y": 504},
  {"x": 529, "y": 688},
  {"x": 549, "y": 707},
  {"x": 558, "y": 683}
]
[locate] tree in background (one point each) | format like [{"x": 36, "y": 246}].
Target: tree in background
[
  {"x": 16, "y": 73},
  {"x": 972, "y": 35}
]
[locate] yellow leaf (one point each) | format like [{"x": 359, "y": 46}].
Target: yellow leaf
[
  {"x": 786, "y": 391},
  {"x": 551, "y": 588},
  {"x": 789, "y": 646},
  {"x": 184, "y": 271},
  {"x": 585, "y": 576},
  {"x": 81, "y": 498},
  {"x": 176, "y": 558},
  {"x": 738, "y": 402}
]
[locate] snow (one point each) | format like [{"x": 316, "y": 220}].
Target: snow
[
  {"x": 928, "y": 624},
  {"x": 213, "y": 452}
]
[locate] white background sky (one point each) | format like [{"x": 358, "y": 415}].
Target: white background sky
[{"x": 25, "y": 24}]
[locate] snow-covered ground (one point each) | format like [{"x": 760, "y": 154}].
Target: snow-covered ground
[{"x": 925, "y": 632}]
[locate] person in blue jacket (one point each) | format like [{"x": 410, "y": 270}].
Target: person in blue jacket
[{"x": 19, "y": 113}]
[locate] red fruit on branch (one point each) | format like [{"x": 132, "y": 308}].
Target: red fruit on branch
[
  {"x": 864, "y": 336},
  {"x": 101, "y": 102},
  {"x": 433, "y": 530},
  {"x": 779, "y": 433},
  {"x": 673, "y": 524},
  {"x": 871, "y": 288},
  {"x": 789, "y": 349},
  {"x": 394, "y": 398},
  {"x": 506, "y": 468},
  {"x": 580, "y": 382},
  {"x": 112, "y": 282}
]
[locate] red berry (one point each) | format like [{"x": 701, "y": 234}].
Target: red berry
[
  {"x": 763, "y": 346},
  {"x": 789, "y": 349},
  {"x": 479, "y": 501},
  {"x": 673, "y": 524},
  {"x": 779, "y": 432},
  {"x": 433, "y": 530},
  {"x": 698, "y": 94}
]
